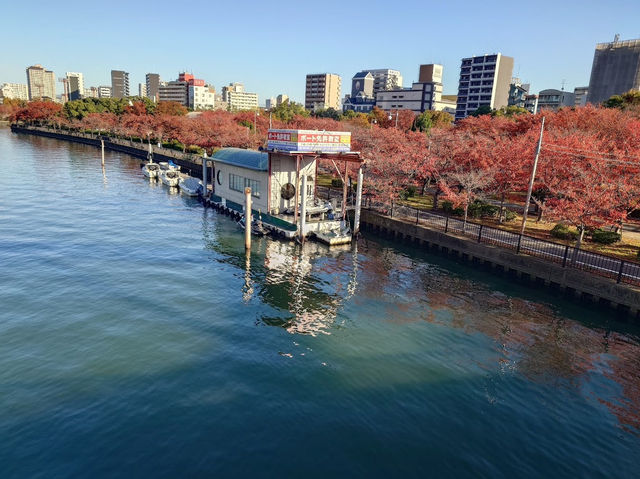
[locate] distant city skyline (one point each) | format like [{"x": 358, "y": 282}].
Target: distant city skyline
[{"x": 271, "y": 56}]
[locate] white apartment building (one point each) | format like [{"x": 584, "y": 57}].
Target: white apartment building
[
  {"x": 41, "y": 83},
  {"x": 484, "y": 81},
  {"x": 581, "y": 93},
  {"x": 237, "y": 99},
  {"x": 75, "y": 84},
  {"x": 385, "y": 79},
  {"x": 91, "y": 92},
  {"x": 104, "y": 92},
  {"x": 419, "y": 98},
  {"x": 17, "y": 91},
  {"x": 142, "y": 90},
  {"x": 202, "y": 97}
]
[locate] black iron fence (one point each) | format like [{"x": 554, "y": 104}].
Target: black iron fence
[{"x": 623, "y": 271}]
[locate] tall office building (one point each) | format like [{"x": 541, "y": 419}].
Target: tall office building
[
  {"x": 41, "y": 83},
  {"x": 119, "y": 84},
  {"x": 75, "y": 84},
  {"x": 385, "y": 79},
  {"x": 153, "y": 86},
  {"x": 615, "y": 69},
  {"x": 322, "y": 91},
  {"x": 484, "y": 81}
]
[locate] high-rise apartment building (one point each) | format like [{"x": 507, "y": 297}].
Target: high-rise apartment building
[
  {"x": 322, "y": 91},
  {"x": 17, "y": 91},
  {"x": 237, "y": 99},
  {"x": 119, "y": 84},
  {"x": 142, "y": 90},
  {"x": 41, "y": 83},
  {"x": 615, "y": 69},
  {"x": 484, "y": 82},
  {"x": 386, "y": 79},
  {"x": 75, "y": 85},
  {"x": 153, "y": 86}
]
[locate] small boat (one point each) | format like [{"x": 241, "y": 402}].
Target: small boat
[
  {"x": 190, "y": 186},
  {"x": 335, "y": 237},
  {"x": 170, "y": 177},
  {"x": 257, "y": 228},
  {"x": 151, "y": 170}
]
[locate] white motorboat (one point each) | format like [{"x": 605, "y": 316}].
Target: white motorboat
[
  {"x": 170, "y": 177},
  {"x": 190, "y": 186},
  {"x": 151, "y": 170}
]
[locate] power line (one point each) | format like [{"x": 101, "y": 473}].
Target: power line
[{"x": 580, "y": 150}]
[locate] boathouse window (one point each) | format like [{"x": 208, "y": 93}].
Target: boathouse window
[{"x": 239, "y": 183}]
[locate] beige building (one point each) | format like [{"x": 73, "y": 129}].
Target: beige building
[
  {"x": 119, "y": 84},
  {"x": 322, "y": 91},
  {"x": 237, "y": 99},
  {"x": 484, "y": 82},
  {"x": 41, "y": 83},
  {"x": 17, "y": 91},
  {"x": 202, "y": 97},
  {"x": 75, "y": 85}
]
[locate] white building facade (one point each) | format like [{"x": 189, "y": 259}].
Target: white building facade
[
  {"x": 484, "y": 82},
  {"x": 237, "y": 99},
  {"x": 385, "y": 79},
  {"x": 75, "y": 82},
  {"x": 41, "y": 83},
  {"x": 202, "y": 97},
  {"x": 17, "y": 91}
]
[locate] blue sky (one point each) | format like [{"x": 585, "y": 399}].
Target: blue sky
[{"x": 271, "y": 46}]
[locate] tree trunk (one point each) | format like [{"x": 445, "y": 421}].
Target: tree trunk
[
  {"x": 581, "y": 229},
  {"x": 500, "y": 217},
  {"x": 464, "y": 223},
  {"x": 436, "y": 193}
]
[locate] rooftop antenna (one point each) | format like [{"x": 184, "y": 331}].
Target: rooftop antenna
[
  {"x": 563, "y": 82},
  {"x": 616, "y": 38}
]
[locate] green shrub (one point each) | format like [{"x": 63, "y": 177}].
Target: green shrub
[
  {"x": 561, "y": 231},
  {"x": 195, "y": 149},
  {"x": 447, "y": 207},
  {"x": 336, "y": 182},
  {"x": 509, "y": 215},
  {"x": 605, "y": 237}
]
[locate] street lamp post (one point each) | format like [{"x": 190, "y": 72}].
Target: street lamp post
[
  {"x": 255, "y": 122},
  {"x": 391, "y": 117}
]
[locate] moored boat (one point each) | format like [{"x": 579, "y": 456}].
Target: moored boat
[
  {"x": 151, "y": 170},
  {"x": 190, "y": 186},
  {"x": 257, "y": 228},
  {"x": 170, "y": 177}
]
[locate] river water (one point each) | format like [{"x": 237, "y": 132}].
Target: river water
[{"x": 137, "y": 339}]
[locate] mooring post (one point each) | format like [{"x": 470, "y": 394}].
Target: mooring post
[
  {"x": 303, "y": 207},
  {"x": 204, "y": 175},
  {"x": 102, "y": 146},
  {"x": 356, "y": 218},
  {"x": 247, "y": 218}
]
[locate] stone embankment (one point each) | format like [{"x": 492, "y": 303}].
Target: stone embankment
[{"x": 574, "y": 283}]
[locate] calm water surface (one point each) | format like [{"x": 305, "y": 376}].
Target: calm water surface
[{"x": 138, "y": 340}]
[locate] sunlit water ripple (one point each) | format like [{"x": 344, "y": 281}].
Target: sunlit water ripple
[{"x": 139, "y": 340}]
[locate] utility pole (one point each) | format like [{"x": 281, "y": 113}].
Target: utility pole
[{"x": 531, "y": 180}]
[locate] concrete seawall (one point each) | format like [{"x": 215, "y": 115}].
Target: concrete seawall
[
  {"x": 575, "y": 283},
  {"x": 190, "y": 163}
]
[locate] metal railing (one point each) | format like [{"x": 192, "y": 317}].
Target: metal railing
[{"x": 623, "y": 271}]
